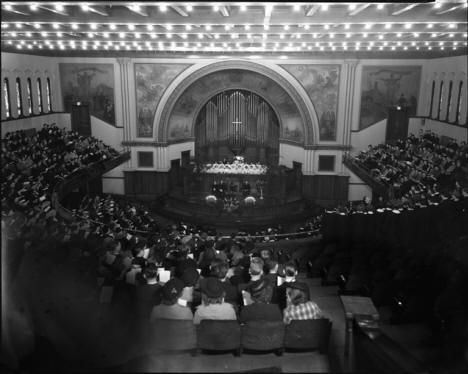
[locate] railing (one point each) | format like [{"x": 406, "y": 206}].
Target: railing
[
  {"x": 81, "y": 176},
  {"x": 378, "y": 187}
]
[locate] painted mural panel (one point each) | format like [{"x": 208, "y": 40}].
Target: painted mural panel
[
  {"x": 91, "y": 83},
  {"x": 186, "y": 107},
  {"x": 384, "y": 86},
  {"x": 151, "y": 80},
  {"x": 321, "y": 82}
]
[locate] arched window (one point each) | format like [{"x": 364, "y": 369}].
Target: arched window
[
  {"x": 6, "y": 97},
  {"x": 49, "y": 98},
  {"x": 30, "y": 99},
  {"x": 449, "y": 101},
  {"x": 19, "y": 98},
  {"x": 459, "y": 101},
  {"x": 39, "y": 95},
  {"x": 441, "y": 99},
  {"x": 432, "y": 99}
]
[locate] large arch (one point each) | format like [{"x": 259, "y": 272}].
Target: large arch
[{"x": 175, "y": 122}]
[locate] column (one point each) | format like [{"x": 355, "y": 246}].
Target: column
[{"x": 124, "y": 68}]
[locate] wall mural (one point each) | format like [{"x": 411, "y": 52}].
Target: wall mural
[
  {"x": 183, "y": 113},
  {"x": 151, "y": 80},
  {"x": 91, "y": 83},
  {"x": 384, "y": 86},
  {"x": 321, "y": 82}
]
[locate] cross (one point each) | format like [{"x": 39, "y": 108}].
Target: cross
[{"x": 237, "y": 124}]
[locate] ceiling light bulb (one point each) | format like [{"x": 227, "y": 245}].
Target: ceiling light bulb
[
  {"x": 437, "y": 5},
  {"x": 59, "y": 34},
  {"x": 388, "y": 26},
  {"x": 59, "y": 7},
  {"x": 37, "y": 25},
  {"x": 297, "y": 7},
  {"x": 121, "y": 35},
  {"x": 247, "y": 27},
  {"x": 365, "y": 35},
  {"x": 74, "y": 26},
  {"x": 8, "y": 7},
  {"x": 56, "y": 26},
  {"x": 207, "y": 27},
  {"x": 416, "y": 35},
  {"x": 306, "y": 27},
  {"x": 85, "y": 7},
  {"x": 188, "y": 8},
  {"x": 286, "y": 27},
  {"x": 398, "y": 43},
  {"x": 408, "y": 25},
  {"x": 398, "y": 35},
  {"x": 352, "y": 6},
  {"x": 413, "y": 44},
  {"x": 90, "y": 35},
  {"x": 153, "y": 35},
  {"x": 266, "y": 27},
  {"x": 433, "y": 35},
  {"x": 249, "y": 36},
  {"x": 169, "y": 35},
  {"x": 44, "y": 34},
  {"x": 281, "y": 36},
  {"x": 430, "y": 26},
  {"x": 28, "y": 34},
  {"x": 131, "y": 26},
  {"x": 163, "y": 7},
  {"x": 106, "y": 35},
  {"x": 368, "y": 26},
  {"x": 184, "y": 36},
  {"x": 93, "y": 26},
  {"x": 188, "y": 27},
  {"x": 380, "y": 37},
  {"x": 18, "y": 25},
  {"x": 324, "y": 7},
  {"x": 326, "y": 27},
  {"x": 198, "y": 45},
  {"x": 200, "y": 36},
  {"x": 348, "y": 35},
  {"x": 332, "y": 35},
  {"x": 452, "y": 26},
  {"x": 216, "y": 8},
  {"x": 33, "y": 7},
  {"x": 346, "y": 26},
  {"x": 243, "y": 8}
]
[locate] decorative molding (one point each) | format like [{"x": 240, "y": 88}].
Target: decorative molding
[
  {"x": 242, "y": 65},
  {"x": 142, "y": 143},
  {"x": 328, "y": 147}
]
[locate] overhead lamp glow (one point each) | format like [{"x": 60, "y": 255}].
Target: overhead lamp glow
[
  {"x": 346, "y": 26},
  {"x": 227, "y": 27},
  {"x": 398, "y": 35},
  {"x": 162, "y": 7},
  {"x": 243, "y": 8},
  {"x": 90, "y": 35},
  {"x": 121, "y": 35},
  {"x": 433, "y": 35},
  {"x": 33, "y": 7},
  {"x": 200, "y": 36},
  {"x": 416, "y": 34},
  {"x": 352, "y": 6},
  {"x": 437, "y": 5},
  {"x": 207, "y": 27},
  {"x": 281, "y": 36},
  {"x": 59, "y": 7},
  {"x": 85, "y": 8},
  {"x": 106, "y": 35},
  {"x": 188, "y": 27},
  {"x": 93, "y": 26},
  {"x": 451, "y": 35},
  {"x": 247, "y": 27},
  {"x": 74, "y": 26},
  {"x": 430, "y": 26},
  {"x": 56, "y": 26},
  {"x": 18, "y": 25},
  {"x": 131, "y": 26},
  {"x": 149, "y": 27},
  {"x": 408, "y": 25},
  {"x": 306, "y": 27},
  {"x": 59, "y": 34},
  {"x": 266, "y": 27},
  {"x": 184, "y": 36},
  {"x": 348, "y": 35},
  {"x": 297, "y": 7},
  {"x": 368, "y": 26},
  {"x": 168, "y": 35},
  {"x": 28, "y": 34},
  {"x": 332, "y": 35},
  {"x": 326, "y": 27},
  {"x": 37, "y": 25},
  {"x": 153, "y": 35},
  {"x": 324, "y": 7},
  {"x": 380, "y": 37},
  {"x": 286, "y": 27},
  {"x": 189, "y": 8},
  {"x": 216, "y": 8},
  {"x": 365, "y": 35},
  {"x": 169, "y": 27},
  {"x": 44, "y": 34},
  {"x": 451, "y": 26},
  {"x": 8, "y": 7},
  {"x": 388, "y": 26}
]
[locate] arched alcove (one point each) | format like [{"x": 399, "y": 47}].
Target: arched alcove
[{"x": 176, "y": 121}]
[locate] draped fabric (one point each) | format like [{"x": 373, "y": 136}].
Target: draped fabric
[{"x": 237, "y": 119}]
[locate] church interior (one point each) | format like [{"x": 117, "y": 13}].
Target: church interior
[{"x": 234, "y": 186}]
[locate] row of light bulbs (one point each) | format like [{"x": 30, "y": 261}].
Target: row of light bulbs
[
  {"x": 234, "y": 35},
  {"x": 189, "y": 7},
  {"x": 96, "y": 43},
  {"x": 227, "y": 27}
]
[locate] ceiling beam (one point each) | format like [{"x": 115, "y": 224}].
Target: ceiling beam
[
  {"x": 180, "y": 11},
  {"x": 53, "y": 10},
  {"x": 405, "y": 9},
  {"x": 359, "y": 9},
  {"x": 451, "y": 9},
  {"x": 97, "y": 11},
  {"x": 224, "y": 11},
  {"x": 140, "y": 10},
  {"x": 312, "y": 10}
]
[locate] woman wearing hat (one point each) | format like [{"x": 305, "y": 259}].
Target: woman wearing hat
[
  {"x": 213, "y": 305},
  {"x": 170, "y": 307}
]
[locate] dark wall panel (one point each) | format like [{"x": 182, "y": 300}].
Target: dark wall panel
[
  {"x": 325, "y": 189},
  {"x": 146, "y": 183}
]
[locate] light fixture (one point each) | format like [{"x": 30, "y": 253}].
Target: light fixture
[
  {"x": 388, "y": 26},
  {"x": 59, "y": 7},
  {"x": 85, "y": 7},
  {"x": 169, "y": 27},
  {"x": 149, "y": 27},
  {"x": 33, "y": 7},
  {"x": 326, "y": 27},
  {"x": 189, "y": 8},
  {"x": 368, "y": 26},
  {"x": 93, "y": 26},
  {"x": 380, "y": 37},
  {"x": 247, "y": 27},
  {"x": 437, "y": 5},
  {"x": 59, "y": 34},
  {"x": 216, "y": 8},
  {"x": 121, "y": 35},
  {"x": 37, "y": 25},
  {"x": 452, "y": 26},
  {"x": 451, "y": 35},
  {"x": 430, "y": 26},
  {"x": 8, "y": 7},
  {"x": 169, "y": 35},
  {"x": 416, "y": 35},
  {"x": 131, "y": 26},
  {"x": 348, "y": 35},
  {"x": 184, "y": 36},
  {"x": 227, "y": 27},
  {"x": 286, "y": 27},
  {"x": 398, "y": 35},
  {"x": 207, "y": 27},
  {"x": 433, "y": 35},
  {"x": 324, "y": 7},
  {"x": 243, "y": 8},
  {"x": 249, "y": 36},
  {"x": 281, "y": 36},
  {"x": 56, "y": 26},
  {"x": 74, "y": 26},
  {"x": 18, "y": 25},
  {"x": 44, "y": 34},
  {"x": 408, "y": 25},
  {"x": 266, "y": 27},
  {"x": 162, "y": 7},
  {"x": 365, "y": 35},
  {"x": 306, "y": 27},
  {"x": 352, "y": 6},
  {"x": 200, "y": 35},
  {"x": 188, "y": 27},
  {"x": 297, "y": 7},
  {"x": 332, "y": 35},
  {"x": 153, "y": 35}
]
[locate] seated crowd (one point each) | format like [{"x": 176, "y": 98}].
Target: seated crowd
[{"x": 418, "y": 168}]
